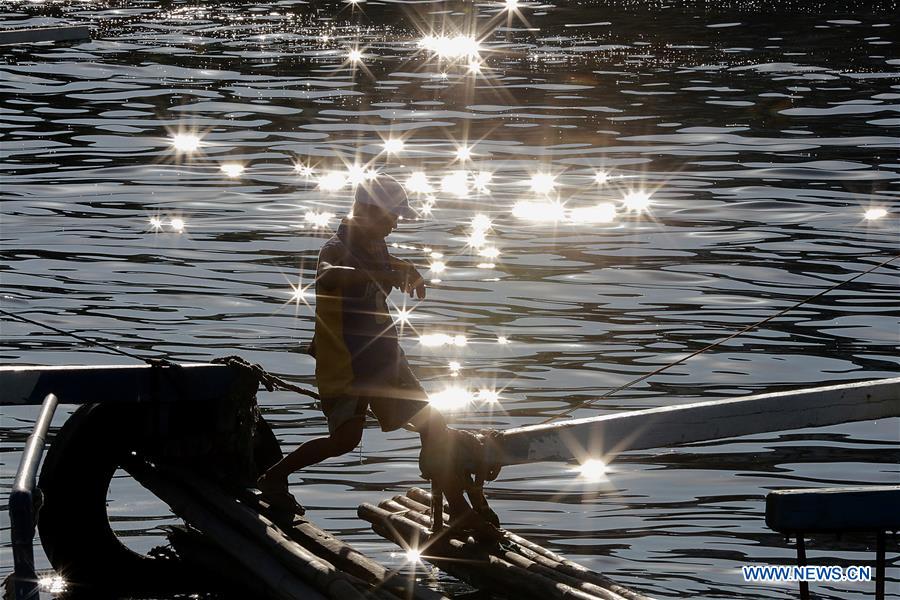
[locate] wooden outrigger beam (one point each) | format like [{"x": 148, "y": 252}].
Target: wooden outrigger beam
[
  {"x": 188, "y": 382},
  {"x": 62, "y": 33},
  {"x": 608, "y": 435}
]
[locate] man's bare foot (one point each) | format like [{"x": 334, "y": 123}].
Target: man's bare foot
[
  {"x": 277, "y": 495},
  {"x": 469, "y": 522}
]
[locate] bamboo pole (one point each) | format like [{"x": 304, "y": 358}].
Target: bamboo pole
[
  {"x": 278, "y": 579},
  {"x": 532, "y": 551},
  {"x": 351, "y": 561},
  {"x": 531, "y": 562},
  {"x": 319, "y": 571},
  {"x": 452, "y": 553},
  {"x": 400, "y": 531}
]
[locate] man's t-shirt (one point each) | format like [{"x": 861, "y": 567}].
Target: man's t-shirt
[{"x": 356, "y": 346}]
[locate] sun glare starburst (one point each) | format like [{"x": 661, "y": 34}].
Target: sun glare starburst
[
  {"x": 332, "y": 181},
  {"x": 436, "y": 340},
  {"x": 304, "y": 170},
  {"x": 481, "y": 222},
  {"x": 450, "y": 399},
  {"x": 481, "y": 180},
  {"x": 456, "y": 47},
  {"x": 477, "y": 238},
  {"x": 393, "y": 145},
  {"x": 156, "y": 223},
  {"x": 53, "y": 584},
  {"x": 354, "y": 56},
  {"x": 177, "y": 224},
  {"x": 636, "y": 201},
  {"x": 417, "y": 183},
  {"x": 413, "y": 555},
  {"x": 403, "y": 315},
  {"x": 539, "y": 211},
  {"x": 358, "y": 174},
  {"x": 456, "y": 183},
  {"x": 542, "y": 183},
  {"x": 488, "y": 395},
  {"x": 605, "y": 212},
  {"x": 185, "y": 142},
  {"x": 592, "y": 469},
  {"x": 464, "y": 153},
  {"x": 601, "y": 177},
  {"x": 318, "y": 219},
  {"x": 232, "y": 169},
  {"x": 873, "y": 214}
]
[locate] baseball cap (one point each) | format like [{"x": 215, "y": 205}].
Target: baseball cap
[{"x": 386, "y": 193}]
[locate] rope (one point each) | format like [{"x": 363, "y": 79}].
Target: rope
[
  {"x": 91, "y": 342},
  {"x": 637, "y": 380},
  {"x": 269, "y": 381}
]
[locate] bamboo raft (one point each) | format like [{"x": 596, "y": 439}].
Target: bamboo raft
[
  {"x": 289, "y": 553},
  {"x": 193, "y": 435},
  {"x": 513, "y": 566}
]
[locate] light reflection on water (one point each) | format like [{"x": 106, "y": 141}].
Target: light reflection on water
[{"x": 742, "y": 152}]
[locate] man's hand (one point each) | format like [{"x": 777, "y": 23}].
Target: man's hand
[
  {"x": 409, "y": 280},
  {"x": 412, "y": 282}
]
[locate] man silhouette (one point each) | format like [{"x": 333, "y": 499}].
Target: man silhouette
[{"x": 359, "y": 362}]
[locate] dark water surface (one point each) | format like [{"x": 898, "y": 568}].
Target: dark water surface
[{"x": 762, "y": 133}]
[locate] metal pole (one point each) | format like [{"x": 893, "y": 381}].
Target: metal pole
[
  {"x": 879, "y": 566},
  {"x": 801, "y": 561},
  {"x": 25, "y": 501}
]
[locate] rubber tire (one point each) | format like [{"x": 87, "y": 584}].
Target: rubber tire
[
  {"x": 75, "y": 477},
  {"x": 73, "y": 521}
]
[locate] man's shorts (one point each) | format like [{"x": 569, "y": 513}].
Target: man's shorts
[
  {"x": 392, "y": 413},
  {"x": 393, "y": 407}
]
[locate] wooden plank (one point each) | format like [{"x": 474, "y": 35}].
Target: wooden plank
[
  {"x": 28, "y": 385},
  {"x": 834, "y": 510},
  {"x": 32, "y": 35},
  {"x": 663, "y": 427}
]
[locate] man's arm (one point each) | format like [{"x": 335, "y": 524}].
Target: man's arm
[{"x": 340, "y": 276}]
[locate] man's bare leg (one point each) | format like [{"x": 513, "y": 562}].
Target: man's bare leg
[
  {"x": 344, "y": 439},
  {"x": 432, "y": 428}
]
